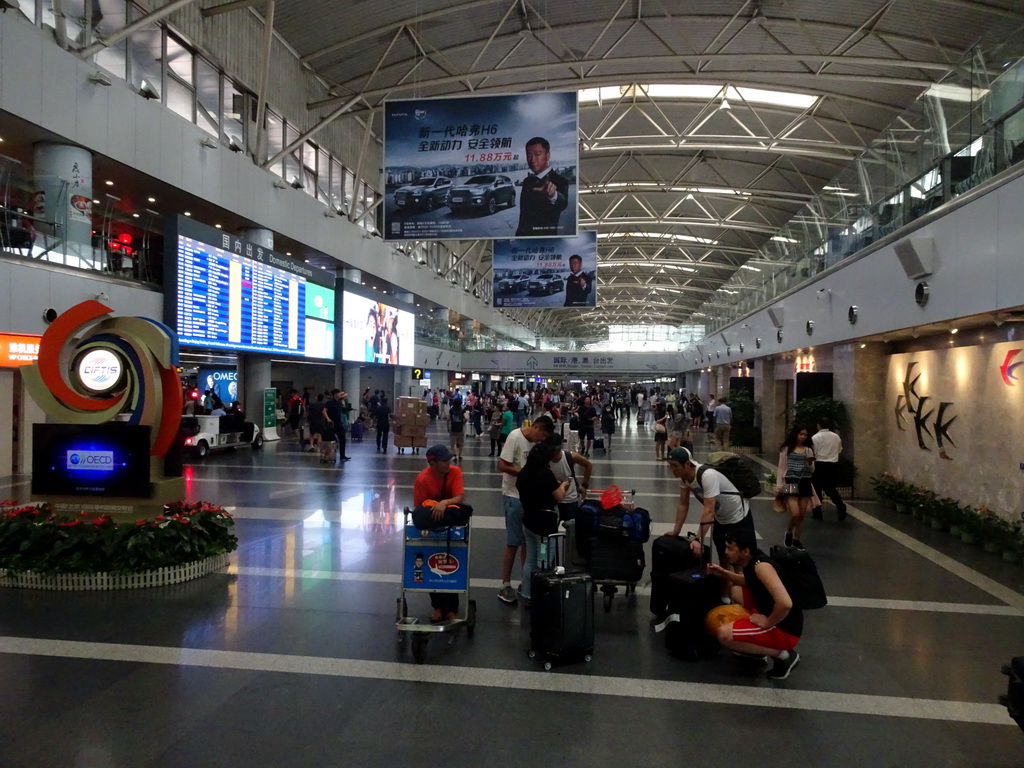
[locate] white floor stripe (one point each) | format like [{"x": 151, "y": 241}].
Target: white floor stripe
[
  {"x": 659, "y": 690},
  {"x": 644, "y": 590},
  {"x": 984, "y": 583}
]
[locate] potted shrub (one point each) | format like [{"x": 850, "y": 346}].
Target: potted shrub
[{"x": 884, "y": 487}]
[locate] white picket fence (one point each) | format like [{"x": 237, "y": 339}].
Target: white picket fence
[{"x": 106, "y": 581}]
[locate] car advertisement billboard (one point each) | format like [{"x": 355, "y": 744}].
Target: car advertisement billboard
[
  {"x": 481, "y": 167},
  {"x": 546, "y": 272}
]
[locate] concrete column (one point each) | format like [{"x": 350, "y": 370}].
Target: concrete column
[
  {"x": 770, "y": 395},
  {"x": 859, "y": 384},
  {"x": 353, "y": 275},
  {"x": 253, "y": 378},
  {"x": 7, "y": 423},
  {"x": 31, "y": 414},
  {"x": 258, "y": 235},
  {"x": 351, "y": 384},
  {"x": 64, "y": 189},
  {"x": 405, "y": 385}
]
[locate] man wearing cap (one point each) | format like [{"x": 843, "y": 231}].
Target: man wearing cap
[
  {"x": 725, "y": 509},
  {"x": 440, "y": 486},
  {"x": 511, "y": 461}
]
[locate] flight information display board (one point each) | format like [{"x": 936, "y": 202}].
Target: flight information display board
[{"x": 228, "y": 293}]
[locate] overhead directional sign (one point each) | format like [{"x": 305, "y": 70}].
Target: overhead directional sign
[{"x": 417, "y": 373}]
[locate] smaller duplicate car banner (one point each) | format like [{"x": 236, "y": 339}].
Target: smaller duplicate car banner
[
  {"x": 481, "y": 167},
  {"x": 550, "y": 272}
]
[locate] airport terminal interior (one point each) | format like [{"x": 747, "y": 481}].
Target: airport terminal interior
[{"x": 792, "y": 206}]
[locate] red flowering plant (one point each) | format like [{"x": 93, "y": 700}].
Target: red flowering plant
[{"x": 35, "y": 538}]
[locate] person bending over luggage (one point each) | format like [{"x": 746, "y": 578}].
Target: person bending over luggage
[
  {"x": 775, "y": 624},
  {"x": 440, "y": 485},
  {"x": 563, "y": 464},
  {"x": 724, "y": 508},
  {"x": 540, "y": 492}
]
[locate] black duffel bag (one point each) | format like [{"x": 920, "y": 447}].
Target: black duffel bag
[{"x": 454, "y": 514}]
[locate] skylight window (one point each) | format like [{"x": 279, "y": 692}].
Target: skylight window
[
  {"x": 655, "y": 236},
  {"x": 697, "y": 92}
]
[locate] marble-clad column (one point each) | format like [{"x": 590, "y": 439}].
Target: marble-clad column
[{"x": 859, "y": 383}]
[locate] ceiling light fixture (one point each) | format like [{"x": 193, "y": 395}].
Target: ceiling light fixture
[
  {"x": 724, "y": 104},
  {"x": 100, "y": 78},
  {"x": 188, "y": 213},
  {"x": 151, "y": 199},
  {"x": 148, "y": 91}
]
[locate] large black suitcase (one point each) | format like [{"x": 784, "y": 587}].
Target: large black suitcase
[
  {"x": 561, "y": 617},
  {"x": 620, "y": 560},
  {"x": 669, "y": 554},
  {"x": 1014, "y": 698},
  {"x": 691, "y": 595},
  {"x": 561, "y": 613}
]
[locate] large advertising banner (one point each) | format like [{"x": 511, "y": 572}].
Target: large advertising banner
[
  {"x": 481, "y": 167},
  {"x": 549, "y": 272}
]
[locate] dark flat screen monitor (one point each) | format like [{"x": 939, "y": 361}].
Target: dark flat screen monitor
[{"x": 90, "y": 460}]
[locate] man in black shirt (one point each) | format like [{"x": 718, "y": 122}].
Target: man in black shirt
[
  {"x": 578, "y": 284},
  {"x": 775, "y": 624},
  {"x": 587, "y": 416}
]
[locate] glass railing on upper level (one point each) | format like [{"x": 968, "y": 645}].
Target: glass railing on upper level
[{"x": 950, "y": 142}]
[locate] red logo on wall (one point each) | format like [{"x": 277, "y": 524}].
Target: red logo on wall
[{"x": 1008, "y": 367}]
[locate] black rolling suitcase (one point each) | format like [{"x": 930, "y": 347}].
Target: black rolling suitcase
[
  {"x": 1014, "y": 698},
  {"x": 561, "y": 613},
  {"x": 692, "y": 593},
  {"x": 669, "y": 554},
  {"x": 598, "y": 444},
  {"x": 616, "y": 560}
]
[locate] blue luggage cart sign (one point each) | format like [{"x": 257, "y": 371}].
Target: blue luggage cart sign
[{"x": 432, "y": 566}]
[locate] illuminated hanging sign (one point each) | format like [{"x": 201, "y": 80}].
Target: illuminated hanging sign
[{"x": 18, "y": 349}]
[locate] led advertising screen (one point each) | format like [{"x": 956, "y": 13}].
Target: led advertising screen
[
  {"x": 90, "y": 459},
  {"x": 374, "y": 332},
  {"x": 222, "y": 382},
  {"x": 481, "y": 167},
  {"x": 228, "y": 293}
]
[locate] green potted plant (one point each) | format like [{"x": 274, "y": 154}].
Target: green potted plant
[{"x": 884, "y": 487}]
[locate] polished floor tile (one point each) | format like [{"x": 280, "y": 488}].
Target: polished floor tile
[{"x": 290, "y": 658}]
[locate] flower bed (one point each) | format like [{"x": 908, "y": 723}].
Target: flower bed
[{"x": 40, "y": 548}]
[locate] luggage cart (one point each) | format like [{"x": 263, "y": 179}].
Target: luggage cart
[
  {"x": 433, "y": 561},
  {"x": 609, "y": 587}
]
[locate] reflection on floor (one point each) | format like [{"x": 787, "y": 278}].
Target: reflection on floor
[{"x": 290, "y": 658}]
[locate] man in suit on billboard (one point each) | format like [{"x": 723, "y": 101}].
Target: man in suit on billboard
[
  {"x": 545, "y": 194},
  {"x": 578, "y": 284}
]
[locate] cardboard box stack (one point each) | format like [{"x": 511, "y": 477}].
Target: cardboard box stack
[{"x": 409, "y": 423}]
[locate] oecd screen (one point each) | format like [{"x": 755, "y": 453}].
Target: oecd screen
[
  {"x": 233, "y": 294},
  {"x": 375, "y": 332}
]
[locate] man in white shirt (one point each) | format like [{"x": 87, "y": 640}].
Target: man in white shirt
[
  {"x": 827, "y": 447},
  {"x": 513, "y": 457},
  {"x": 723, "y": 424},
  {"x": 724, "y": 508}
]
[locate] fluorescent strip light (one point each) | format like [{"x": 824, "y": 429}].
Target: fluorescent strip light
[{"x": 781, "y": 239}]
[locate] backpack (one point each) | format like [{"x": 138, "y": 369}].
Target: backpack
[
  {"x": 736, "y": 472},
  {"x": 800, "y": 576},
  {"x": 457, "y": 416}
]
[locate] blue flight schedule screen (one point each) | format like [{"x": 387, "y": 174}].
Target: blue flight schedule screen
[{"x": 229, "y": 301}]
